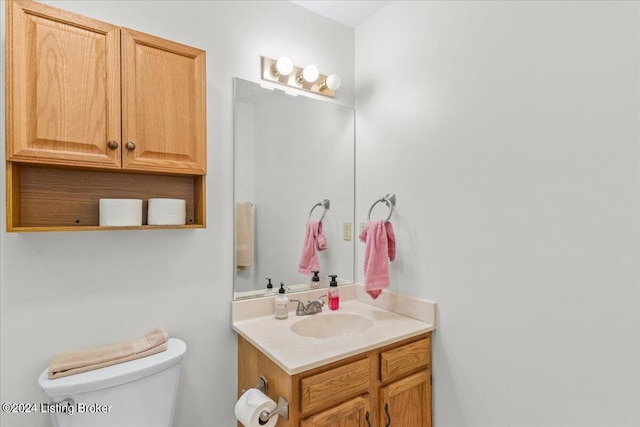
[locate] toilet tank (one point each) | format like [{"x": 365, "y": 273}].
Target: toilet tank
[{"x": 138, "y": 393}]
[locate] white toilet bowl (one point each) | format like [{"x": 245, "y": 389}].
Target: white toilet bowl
[{"x": 138, "y": 393}]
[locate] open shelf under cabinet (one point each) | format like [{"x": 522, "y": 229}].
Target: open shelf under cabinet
[{"x": 41, "y": 198}]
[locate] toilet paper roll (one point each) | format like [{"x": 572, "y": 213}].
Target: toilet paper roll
[
  {"x": 120, "y": 212},
  {"x": 166, "y": 212},
  {"x": 251, "y": 404}
]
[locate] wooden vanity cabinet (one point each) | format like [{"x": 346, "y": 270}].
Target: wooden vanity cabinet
[
  {"x": 401, "y": 402},
  {"x": 352, "y": 413},
  {"x": 385, "y": 387},
  {"x": 85, "y": 95},
  {"x": 402, "y": 396}
]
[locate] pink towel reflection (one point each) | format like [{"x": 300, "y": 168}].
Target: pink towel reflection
[
  {"x": 380, "y": 248},
  {"x": 314, "y": 241}
]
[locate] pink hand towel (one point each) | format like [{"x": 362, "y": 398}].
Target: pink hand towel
[
  {"x": 380, "y": 248},
  {"x": 314, "y": 241}
]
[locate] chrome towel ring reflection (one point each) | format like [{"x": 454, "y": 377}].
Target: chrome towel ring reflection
[
  {"x": 389, "y": 200},
  {"x": 324, "y": 204}
]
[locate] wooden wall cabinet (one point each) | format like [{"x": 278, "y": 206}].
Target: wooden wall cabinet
[
  {"x": 385, "y": 387},
  {"x": 85, "y": 95},
  {"x": 163, "y": 105}
]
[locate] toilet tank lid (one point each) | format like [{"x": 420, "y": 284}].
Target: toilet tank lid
[{"x": 114, "y": 375}]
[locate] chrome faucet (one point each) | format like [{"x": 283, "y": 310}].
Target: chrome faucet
[{"x": 312, "y": 307}]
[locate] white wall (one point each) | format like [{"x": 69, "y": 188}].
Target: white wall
[
  {"x": 61, "y": 291},
  {"x": 509, "y": 132}
]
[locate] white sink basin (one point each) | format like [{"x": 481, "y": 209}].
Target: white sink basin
[{"x": 331, "y": 325}]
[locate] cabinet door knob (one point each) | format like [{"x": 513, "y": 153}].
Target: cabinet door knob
[
  {"x": 130, "y": 146},
  {"x": 366, "y": 417},
  {"x": 113, "y": 145},
  {"x": 386, "y": 410}
]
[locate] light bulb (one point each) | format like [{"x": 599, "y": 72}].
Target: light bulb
[
  {"x": 333, "y": 81},
  {"x": 310, "y": 73},
  {"x": 284, "y": 66}
]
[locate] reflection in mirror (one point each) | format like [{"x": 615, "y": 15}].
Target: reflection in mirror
[{"x": 291, "y": 153}]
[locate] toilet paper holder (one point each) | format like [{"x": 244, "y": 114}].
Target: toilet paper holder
[
  {"x": 282, "y": 407},
  {"x": 262, "y": 385}
]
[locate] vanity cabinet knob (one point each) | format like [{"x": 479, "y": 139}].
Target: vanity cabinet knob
[
  {"x": 130, "y": 146},
  {"x": 366, "y": 417},
  {"x": 113, "y": 145},
  {"x": 386, "y": 410}
]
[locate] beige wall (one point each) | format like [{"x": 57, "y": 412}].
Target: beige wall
[
  {"x": 509, "y": 132},
  {"x": 72, "y": 290}
]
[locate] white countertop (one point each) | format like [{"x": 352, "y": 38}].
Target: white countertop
[{"x": 295, "y": 354}]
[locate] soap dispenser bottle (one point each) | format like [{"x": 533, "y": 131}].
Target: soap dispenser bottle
[
  {"x": 334, "y": 295},
  {"x": 315, "y": 280},
  {"x": 269, "y": 290},
  {"x": 282, "y": 311}
]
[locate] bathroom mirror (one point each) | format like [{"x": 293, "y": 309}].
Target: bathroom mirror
[{"x": 291, "y": 153}]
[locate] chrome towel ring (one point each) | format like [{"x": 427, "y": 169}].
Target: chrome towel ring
[
  {"x": 389, "y": 200},
  {"x": 324, "y": 204}
]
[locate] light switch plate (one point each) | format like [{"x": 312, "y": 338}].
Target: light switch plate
[{"x": 346, "y": 231}]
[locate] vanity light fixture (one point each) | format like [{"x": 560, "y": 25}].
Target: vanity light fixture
[
  {"x": 283, "y": 67},
  {"x": 309, "y": 74},
  {"x": 332, "y": 82},
  {"x": 308, "y": 78}
]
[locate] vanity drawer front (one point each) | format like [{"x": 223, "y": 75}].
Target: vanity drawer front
[
  {"x": 402, "y": 360},
  {"x": 334, "y": 386}
]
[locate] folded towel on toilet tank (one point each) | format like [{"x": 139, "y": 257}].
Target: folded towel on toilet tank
[{"x": 77, "y": 361}]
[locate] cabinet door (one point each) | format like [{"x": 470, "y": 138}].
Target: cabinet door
[
  {"x": 406, "y": 402},
  {"x": 63, "y": 87},
  {"x": 353, "y": 413},
  {"x": 163, "y": 110}
]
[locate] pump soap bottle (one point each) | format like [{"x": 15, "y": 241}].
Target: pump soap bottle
[
  {"x": 315, "y": 280},
  {"x": 334, "y": 295},
  {"x": 282, "y": 311},
  {"x": 269, "y": 290}
]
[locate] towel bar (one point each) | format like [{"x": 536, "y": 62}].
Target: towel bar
[
  {"x": 389, "y": 199},
  {"x": 324, "y": 204}
]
